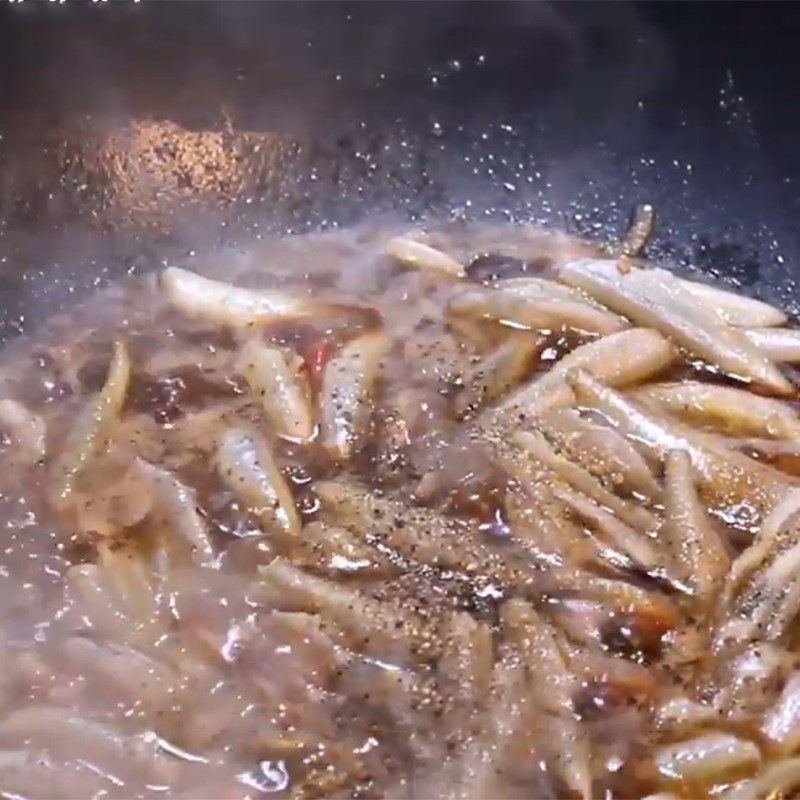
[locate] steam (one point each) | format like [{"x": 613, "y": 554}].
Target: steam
[{"x": 172, "y": 138}]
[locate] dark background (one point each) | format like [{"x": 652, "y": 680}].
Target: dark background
[{"x": 565, "y": 113}]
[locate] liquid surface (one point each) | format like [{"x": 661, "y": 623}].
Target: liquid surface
[{"x": 199, "y": 596}]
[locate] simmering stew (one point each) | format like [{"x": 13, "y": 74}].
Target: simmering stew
[{"x": 472, "y": 512}]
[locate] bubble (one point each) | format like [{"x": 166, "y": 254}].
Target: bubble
[{"x": 270, "y": 777}]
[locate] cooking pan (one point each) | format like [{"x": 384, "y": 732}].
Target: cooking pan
[{"x": 139, "y": 133}]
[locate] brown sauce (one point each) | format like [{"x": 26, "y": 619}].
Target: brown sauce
[{"x": 387, "y": 663}]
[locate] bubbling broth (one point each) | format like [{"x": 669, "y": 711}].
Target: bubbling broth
[{"x": 472, "y": 512}]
